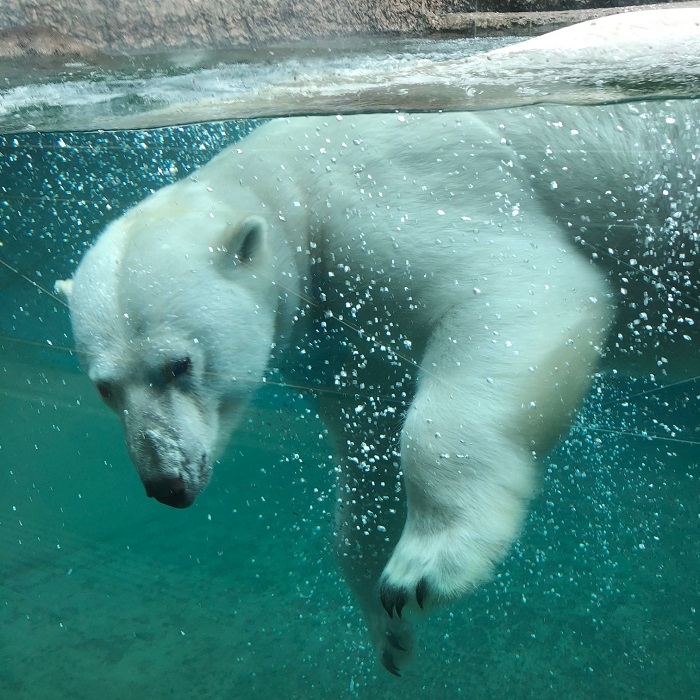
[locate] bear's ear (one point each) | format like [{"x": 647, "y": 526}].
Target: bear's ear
[
  {"x": 64, "y": 288},
  {"x": 246, "y": 241}
]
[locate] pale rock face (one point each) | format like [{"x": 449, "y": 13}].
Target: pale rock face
[{"x": 463, "y": 273}]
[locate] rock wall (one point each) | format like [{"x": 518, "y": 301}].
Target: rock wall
[{"x": 47, "y": 27}]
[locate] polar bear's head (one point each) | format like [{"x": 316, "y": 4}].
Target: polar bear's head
[{"x": 173, "y": 314}]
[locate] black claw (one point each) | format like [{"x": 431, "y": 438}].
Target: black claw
[
  {"x": 393, "y": 639},
  {"x": 393, "y": 599},
  {"x": 389, "y": 664},
  {"x": 387, "y": 601},
  {"x": 421, "y": 592},
  {"x": 401, "y": 598}
]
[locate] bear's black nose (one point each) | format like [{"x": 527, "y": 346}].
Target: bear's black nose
[{"x": 170, "y": 491}]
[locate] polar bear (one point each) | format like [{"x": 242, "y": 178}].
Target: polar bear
[{"x": 446, "y": 283}]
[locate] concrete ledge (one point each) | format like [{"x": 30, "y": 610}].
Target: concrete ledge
[{"x": 532, "y": 23}]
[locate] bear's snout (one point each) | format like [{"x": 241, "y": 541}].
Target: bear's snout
[{"x": 170, "y": 491}]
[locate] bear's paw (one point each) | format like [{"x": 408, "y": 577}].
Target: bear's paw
[{"x": 435, "y": 567}]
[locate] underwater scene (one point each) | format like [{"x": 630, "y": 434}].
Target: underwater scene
[{"x": 551, "y": 545}]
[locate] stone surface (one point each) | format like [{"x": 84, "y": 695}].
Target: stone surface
[{"x": 72, "y": 27}]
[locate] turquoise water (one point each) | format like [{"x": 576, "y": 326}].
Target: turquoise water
[{"x": 104, "y": 593}]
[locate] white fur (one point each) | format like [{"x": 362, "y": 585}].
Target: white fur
[{"x": 424, "y": 274}]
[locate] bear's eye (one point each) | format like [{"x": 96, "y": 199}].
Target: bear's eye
[
  {"x": 177, "y": 368},
  {"x": 104, "y": 391}
]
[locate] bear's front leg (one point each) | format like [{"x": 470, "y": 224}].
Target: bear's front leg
[
  {"x": 494, "y": 389},
  {"x": 369, "y": 510},
  {"x": 467, "y": 488}
]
